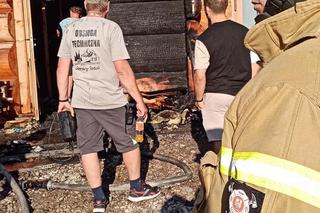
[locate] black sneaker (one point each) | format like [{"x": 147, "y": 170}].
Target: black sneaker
[
  {"x": 99, "y": 206},
  {"x": 146, "y": 192}
]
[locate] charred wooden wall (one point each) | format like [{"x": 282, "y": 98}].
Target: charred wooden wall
[{"x": 155, "y": 37}]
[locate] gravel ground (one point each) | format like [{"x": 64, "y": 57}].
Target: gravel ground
[{"x": 177, "y": 143}]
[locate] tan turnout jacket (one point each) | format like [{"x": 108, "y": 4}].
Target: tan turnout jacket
[{"x": 277, "y": 114}]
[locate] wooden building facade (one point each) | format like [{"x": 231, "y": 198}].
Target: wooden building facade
[{"x": 155, "y": 34}]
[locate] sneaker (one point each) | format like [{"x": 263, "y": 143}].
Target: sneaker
[
  {"x": 99, "y": 206},
  {"x": 146, "y": 192}
]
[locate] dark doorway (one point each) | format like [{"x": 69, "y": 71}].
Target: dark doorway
[{"x": 46, "y": 15}]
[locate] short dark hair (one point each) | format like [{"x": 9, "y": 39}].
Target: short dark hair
[
  {"x": 217, "y": 6},
  {"x": 76, "y": 9}
]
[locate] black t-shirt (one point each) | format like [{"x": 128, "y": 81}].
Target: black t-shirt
[{"x": 230, "y": 66}]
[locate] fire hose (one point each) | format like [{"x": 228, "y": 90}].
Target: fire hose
[
  {"x": 48, "y": 184},
  {"x": 16, "y": 189}
]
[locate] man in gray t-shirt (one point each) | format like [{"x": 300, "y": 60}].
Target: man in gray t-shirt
[{"x": 97, "y": 50}]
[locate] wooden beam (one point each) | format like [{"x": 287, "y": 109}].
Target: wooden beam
[
  {"x": 31, "y": 60},
  {"x": 157, "y": 82},
  {"x": 135, "y": 1},
  {"x": 157, "y": 53},
  {"x": 22, "y": 59},
  {"x": 144, "y": 18}
]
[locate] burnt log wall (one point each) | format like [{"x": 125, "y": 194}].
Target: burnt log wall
[{"x": 154, "y": 33}]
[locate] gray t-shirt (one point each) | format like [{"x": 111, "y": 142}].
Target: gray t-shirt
[{"x": 93, "y": 43}]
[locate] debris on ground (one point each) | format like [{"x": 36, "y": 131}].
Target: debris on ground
[
  {"x": 177, "y": 142},
  {"x": 18, "y": 128},
  {"x": 179, "y": 145}
]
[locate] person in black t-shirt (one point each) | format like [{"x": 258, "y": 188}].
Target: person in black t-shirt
[{"x": 222, "y": 67}]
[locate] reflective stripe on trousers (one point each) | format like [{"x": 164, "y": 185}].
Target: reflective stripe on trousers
[{"x": 272, "y": 173}]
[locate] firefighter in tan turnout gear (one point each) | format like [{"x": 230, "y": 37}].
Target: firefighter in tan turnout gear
[{"x": 270, "y": 156}]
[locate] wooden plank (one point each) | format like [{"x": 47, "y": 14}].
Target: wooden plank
[
  {"x": 157, "y": 53},
  {"x": 157, "y": 82},
  {"x": 16, "y": 96},
  {"x": 189, "y": 9},
  {"x": 22, "y": 59},
  {"x": 31, "y": 61},
  {"x": 146, "y": 18}
]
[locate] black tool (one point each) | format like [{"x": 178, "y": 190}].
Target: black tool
[{"x": 67, "y": 126}]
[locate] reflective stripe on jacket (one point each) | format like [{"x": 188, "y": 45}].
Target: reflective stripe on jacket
[{"x": 272, "y": 173}]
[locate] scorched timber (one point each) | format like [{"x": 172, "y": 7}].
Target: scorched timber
[
  {"x": 164, "y": 17},
  {"x": 157, "y": 82},
  {"x": 157, "y": 53},
  {"x": 132, "y": 1},
  {"x": 190, "y": 13}
]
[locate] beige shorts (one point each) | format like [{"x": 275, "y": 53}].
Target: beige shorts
[{"x": 216, "y": 105}]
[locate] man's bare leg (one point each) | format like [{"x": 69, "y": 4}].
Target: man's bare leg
[
  {"x": 132, "y": 160},
  {"x": 138, "y": 189},
  {"x": 91, "y": 167}
]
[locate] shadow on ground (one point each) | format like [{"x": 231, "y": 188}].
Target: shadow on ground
[
  {"x": 177, "y": 204},
  {"x": 199, "y": 135}
]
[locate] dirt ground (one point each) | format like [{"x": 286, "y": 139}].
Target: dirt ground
[{"x": 178, "y": 142}]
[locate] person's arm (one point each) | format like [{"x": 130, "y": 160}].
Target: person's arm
[
  {"x": 128, "y": 81},
  {"x": 58, "y": 33},
  {"x": 255, "y": 66},
  {"x": 126, "y": 76},
  {"x": 70, "y": 86},
  {"x": 70, "y": 82},
  {"x": 201, "y": 64},
  {"x": 199, "y": 87},
  {"x": 64, "y": 64},
  {"x": 62, "y": 81}
]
